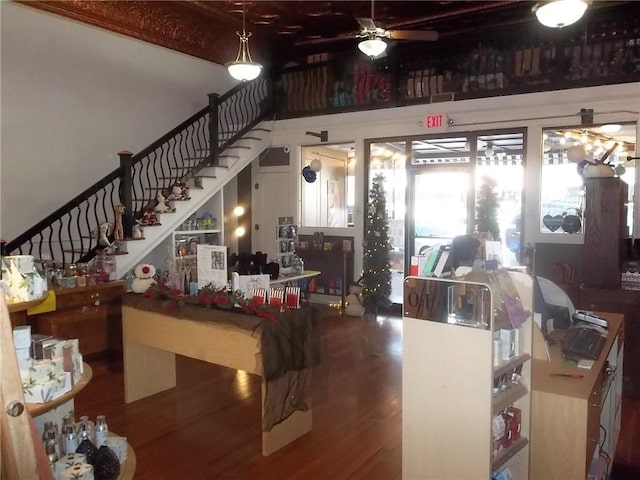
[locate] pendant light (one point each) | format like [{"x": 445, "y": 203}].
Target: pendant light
[
  {"x": 243, "y": 68},
  {"x": 560, "y": 13}
]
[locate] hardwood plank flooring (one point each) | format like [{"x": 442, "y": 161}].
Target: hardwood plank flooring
[{"x": 208, "y": 427}]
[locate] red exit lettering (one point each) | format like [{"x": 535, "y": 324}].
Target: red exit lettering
[{"x": 434, "y": 121}]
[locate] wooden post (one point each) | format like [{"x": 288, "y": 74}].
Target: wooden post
[
  {"x": 213, "y": 129},
  {"x": 126, "y": 187},
  {"x": 21, "y": 455}
]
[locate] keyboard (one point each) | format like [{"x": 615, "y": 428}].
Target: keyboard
[{"x": 583, "y": 342}]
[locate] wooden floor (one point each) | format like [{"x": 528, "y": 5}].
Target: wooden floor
[{"x": 209, "y": 426}]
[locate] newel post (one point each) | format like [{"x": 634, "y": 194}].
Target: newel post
[
  {"x": 214, "y": 104},
  {"x": 126, "y": 187}
]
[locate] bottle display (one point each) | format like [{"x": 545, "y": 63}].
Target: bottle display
[
  {"x": 102, "y": 431},
  {"x": 69, "y": 436},
  {"x": 86, "y": 430},
  {"x": 50, "y": 436},
  {"x": 50, "y": 451}
]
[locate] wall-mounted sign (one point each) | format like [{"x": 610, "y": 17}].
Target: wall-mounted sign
[{"x": 436, "y": 120}]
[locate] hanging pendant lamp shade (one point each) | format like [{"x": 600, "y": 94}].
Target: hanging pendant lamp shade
[
  {"x": 560, "y": 13},
  {"x": 243, "y": 68}
]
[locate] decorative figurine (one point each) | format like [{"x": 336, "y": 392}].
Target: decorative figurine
[
  {"x": 179, "y": 191},
  {"x": 104, "y": 230},
  {"x": 144, "y": 278},
  {"x": 118, "y": 230},
  {"x": 176, "y": 192},
  {"x": 149, "y": 218},
  {"x": 162, "y": 206},
  {"x": 137, "y": 233}
]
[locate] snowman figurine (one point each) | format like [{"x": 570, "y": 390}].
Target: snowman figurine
[
  {"x": 144, "y": 278},
  {"x": 354, "y": 302}
]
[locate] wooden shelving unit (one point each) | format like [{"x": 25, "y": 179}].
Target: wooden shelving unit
[
  {"x": 36, "y": 409},
  {"x": 455, "y": 385}
]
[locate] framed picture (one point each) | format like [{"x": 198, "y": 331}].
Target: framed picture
[{"x": 212, "y": 265}]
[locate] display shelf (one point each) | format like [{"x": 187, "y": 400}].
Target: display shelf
[
  {"x": 508, "y": 453},
  {"x": 128, "y": 467},
  {"x": 19, "y": 307},
  {"x": 503, "y": 399},
  {"x": 196, "y": 232},
  {"x": 36, "y": 409},
  {"x": 511, "y": 364},
  {"x": 444, "y": 325}
]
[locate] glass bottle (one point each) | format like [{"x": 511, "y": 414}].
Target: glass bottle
[
  {"x": 102, "y": 431},
  {"x": 50, "y": 451},
  {"x": 69, "y": 437},
  {"x": 50, "y": 436},
  {"x": 86, "y": 429},
  {"x": 70, "y": 276},
  {"x": 81, "y": 274}
]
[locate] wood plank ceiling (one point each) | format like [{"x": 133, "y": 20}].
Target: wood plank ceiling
[{"x": 286, "y": 31}]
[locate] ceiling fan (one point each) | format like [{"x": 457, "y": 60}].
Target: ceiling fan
[{"x": 372, "y": 36}]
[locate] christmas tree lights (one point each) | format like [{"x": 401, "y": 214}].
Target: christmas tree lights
[{"x": 376, "y": 276}]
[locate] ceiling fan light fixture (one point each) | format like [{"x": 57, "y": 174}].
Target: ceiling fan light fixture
[
  {"x": 244, "y": 68},
  {"x": 560, "y": 13},
  {"x": 372, "y": 46}
]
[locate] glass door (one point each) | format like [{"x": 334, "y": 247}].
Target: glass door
[{"x": 439, "y": 206}]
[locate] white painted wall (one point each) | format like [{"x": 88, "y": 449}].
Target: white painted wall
[
  {"x": 72, "y": 97},
  {"x": 616, "y": 103}
]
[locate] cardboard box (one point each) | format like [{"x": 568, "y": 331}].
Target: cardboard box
[
  {"x": 22, "y": 337},
  {"x": 47, "y": 391}
]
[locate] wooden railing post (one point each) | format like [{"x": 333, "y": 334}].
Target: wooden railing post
[
  {"x": 126, "y": 187},
  {"x": 213, "y": 128}
]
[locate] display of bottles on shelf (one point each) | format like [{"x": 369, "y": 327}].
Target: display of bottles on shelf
[{"x": 606, "y": 51}]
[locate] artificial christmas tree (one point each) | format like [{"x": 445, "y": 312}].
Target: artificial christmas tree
[
  {"x": 376, "y": 276},
  {"x": 487, "y": 208}
]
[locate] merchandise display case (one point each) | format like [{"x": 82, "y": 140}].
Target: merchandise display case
[{"x": 467, "y": 376}]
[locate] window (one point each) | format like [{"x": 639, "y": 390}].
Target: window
[
  {"x": 327, "y": 186},
  {"x": 568, "y": 155}
]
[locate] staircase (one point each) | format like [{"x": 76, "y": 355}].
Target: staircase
[{"x": 213, "y": 146}]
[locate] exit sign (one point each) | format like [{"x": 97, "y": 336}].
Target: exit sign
[{"x": 434, "y": 121}]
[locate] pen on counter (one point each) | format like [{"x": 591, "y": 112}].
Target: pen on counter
[{"x": 570, "y": 375}]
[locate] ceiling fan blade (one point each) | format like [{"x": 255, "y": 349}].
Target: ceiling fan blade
[
  {"x": 367, "y": 23},
  {"x": 317, "y": 41},
  {"x": 423, "y": 35}
]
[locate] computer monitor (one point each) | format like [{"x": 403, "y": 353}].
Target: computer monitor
[{"x": 553, "y": 304}]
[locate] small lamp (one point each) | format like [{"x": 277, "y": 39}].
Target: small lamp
[
  {"x": 372, "y": 46},
  {"x": 560, "y": 13},
  {"x": 243, "y": 68}
]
